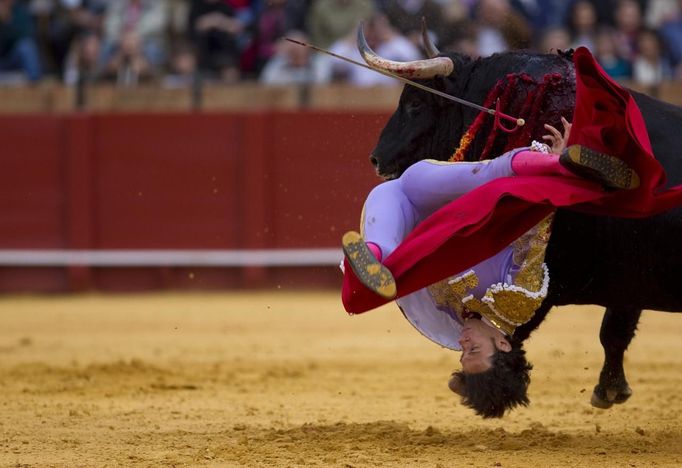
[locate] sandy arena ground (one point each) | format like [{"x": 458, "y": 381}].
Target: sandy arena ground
[{"x": 287, "y": 379}]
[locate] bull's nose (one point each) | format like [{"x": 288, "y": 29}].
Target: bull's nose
[{"x": 374, "y": 161}]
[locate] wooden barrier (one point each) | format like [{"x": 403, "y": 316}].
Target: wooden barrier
[
  {"x": 670, "y": 92},
  {"x": 208, "y": 181},
  {"x": 347, "y": 97},
  {"x": 25, "y": 100},
  {"x": 250, "y": 97},
  {"x": 54, "y": 98}
]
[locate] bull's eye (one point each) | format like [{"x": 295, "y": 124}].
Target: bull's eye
[{"x": 414, "y": 106}]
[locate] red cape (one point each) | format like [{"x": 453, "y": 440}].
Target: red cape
[{"x": 606, "y": 119}]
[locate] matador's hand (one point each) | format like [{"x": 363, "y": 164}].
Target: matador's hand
[{"x": 555, "y": 139}]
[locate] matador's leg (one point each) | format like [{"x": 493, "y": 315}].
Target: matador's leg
[{"x": 395, "y": 207}]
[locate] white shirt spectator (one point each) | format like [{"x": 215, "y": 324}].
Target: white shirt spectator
[
  {"x": 660, "y": 11},
  {"x": 648, "y": 73},
  {"x": 490, "y": 41}
]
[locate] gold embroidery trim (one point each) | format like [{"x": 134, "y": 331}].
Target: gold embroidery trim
[
  {"x": 449, "y": 293},
  {"x": 476, "y": 305},
  {"x": 505, "y": 306},
  {"x": 529, "y": 254}
]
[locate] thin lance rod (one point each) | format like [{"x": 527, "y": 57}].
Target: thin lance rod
[{"x": 519, "y": 122}]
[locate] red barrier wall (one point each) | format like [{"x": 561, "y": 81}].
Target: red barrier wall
[{"x": 181, "y": 181}]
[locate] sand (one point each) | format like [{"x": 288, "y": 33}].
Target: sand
[{"x": 288, "y": 379}]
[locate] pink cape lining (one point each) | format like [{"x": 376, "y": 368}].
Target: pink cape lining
[{"x": 606, "y": 119}]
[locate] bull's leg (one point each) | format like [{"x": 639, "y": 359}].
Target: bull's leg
[{"x": 617, "y": 330}]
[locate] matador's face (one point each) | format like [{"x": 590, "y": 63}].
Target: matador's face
[{"x": 479, "y": 342}]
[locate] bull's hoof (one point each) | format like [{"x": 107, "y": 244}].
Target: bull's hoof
[
  {"x": 599, "y": 402},
  {"x": 605, "y": 399}
]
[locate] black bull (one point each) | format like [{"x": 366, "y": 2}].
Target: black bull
[{"x": 624, "y": 265}]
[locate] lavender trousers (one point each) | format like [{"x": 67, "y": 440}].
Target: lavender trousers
[{"x": 393, "y": 209}]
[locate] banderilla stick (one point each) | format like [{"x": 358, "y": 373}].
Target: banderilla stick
[{"x": 519, "y": 122}]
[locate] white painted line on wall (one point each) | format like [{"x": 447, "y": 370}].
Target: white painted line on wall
[{"x": 152, "y": 258}]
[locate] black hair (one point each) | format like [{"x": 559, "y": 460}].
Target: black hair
[{"x": 500, "y": 388}]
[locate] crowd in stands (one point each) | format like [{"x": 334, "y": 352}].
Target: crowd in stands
[{"x": 176, "y": 42}]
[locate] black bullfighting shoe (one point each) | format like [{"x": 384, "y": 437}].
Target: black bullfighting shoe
[
  {"x": 375, "y": 276},
  {"x": 611, "y": 172}
]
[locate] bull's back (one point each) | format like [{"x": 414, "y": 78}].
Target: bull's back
[{"x": 664, "y": 125}]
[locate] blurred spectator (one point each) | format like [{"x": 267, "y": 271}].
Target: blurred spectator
[
  {"x": 134, "y": 44},
  {"x": 606, "y": 53},
  {"x": 500, "y": 28},
  {"x": 89, "y": 16},
  {"x": 297, "y": 14},
  {"x": 671, "y": 32},
  {"x": 542, "y": 14},
  {"x": 406, "y": 17},
  {"x": 126, "y": 63},
  {"x": 59, "y": 23},
  {"x": 659, "y": 12},
  {"x": 81, "y": 62},
  {"x": 54, "y": 31},
  {"x": 455, "y": 33},
  {"x": 628, "y": 19},
  {"x": 18, "y": 49},
  {"x": 130, "y": 40},
  {"x": 178, "y": 13},
  {"x": 465, "y": 45},
  {"x": 294, "y": 64},
  {"x": 245, "y": 10},
  {"x": 582, "y": 23},
  {"x": 650, "y": 66},
  {"x": 555, "y": 39},
  {"x": 607, "y": 10},
  {"x": 330, "y": 20},
  {"x": 214, "y": 29},
  {"x": 385, "y": 41},
  {"x": 95, "y": 7},
  {"x": 270, "y": 27},
  {"x": 182, "y": 67}
]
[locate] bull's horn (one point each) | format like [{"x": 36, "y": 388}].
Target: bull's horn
[
  {"x": 430, "y": 48},
  {"x": 418, "y": 69}
]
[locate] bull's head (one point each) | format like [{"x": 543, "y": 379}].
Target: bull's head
[
  {"x": 414, "y": 128},
  {"x": 428, "y": 126}
]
